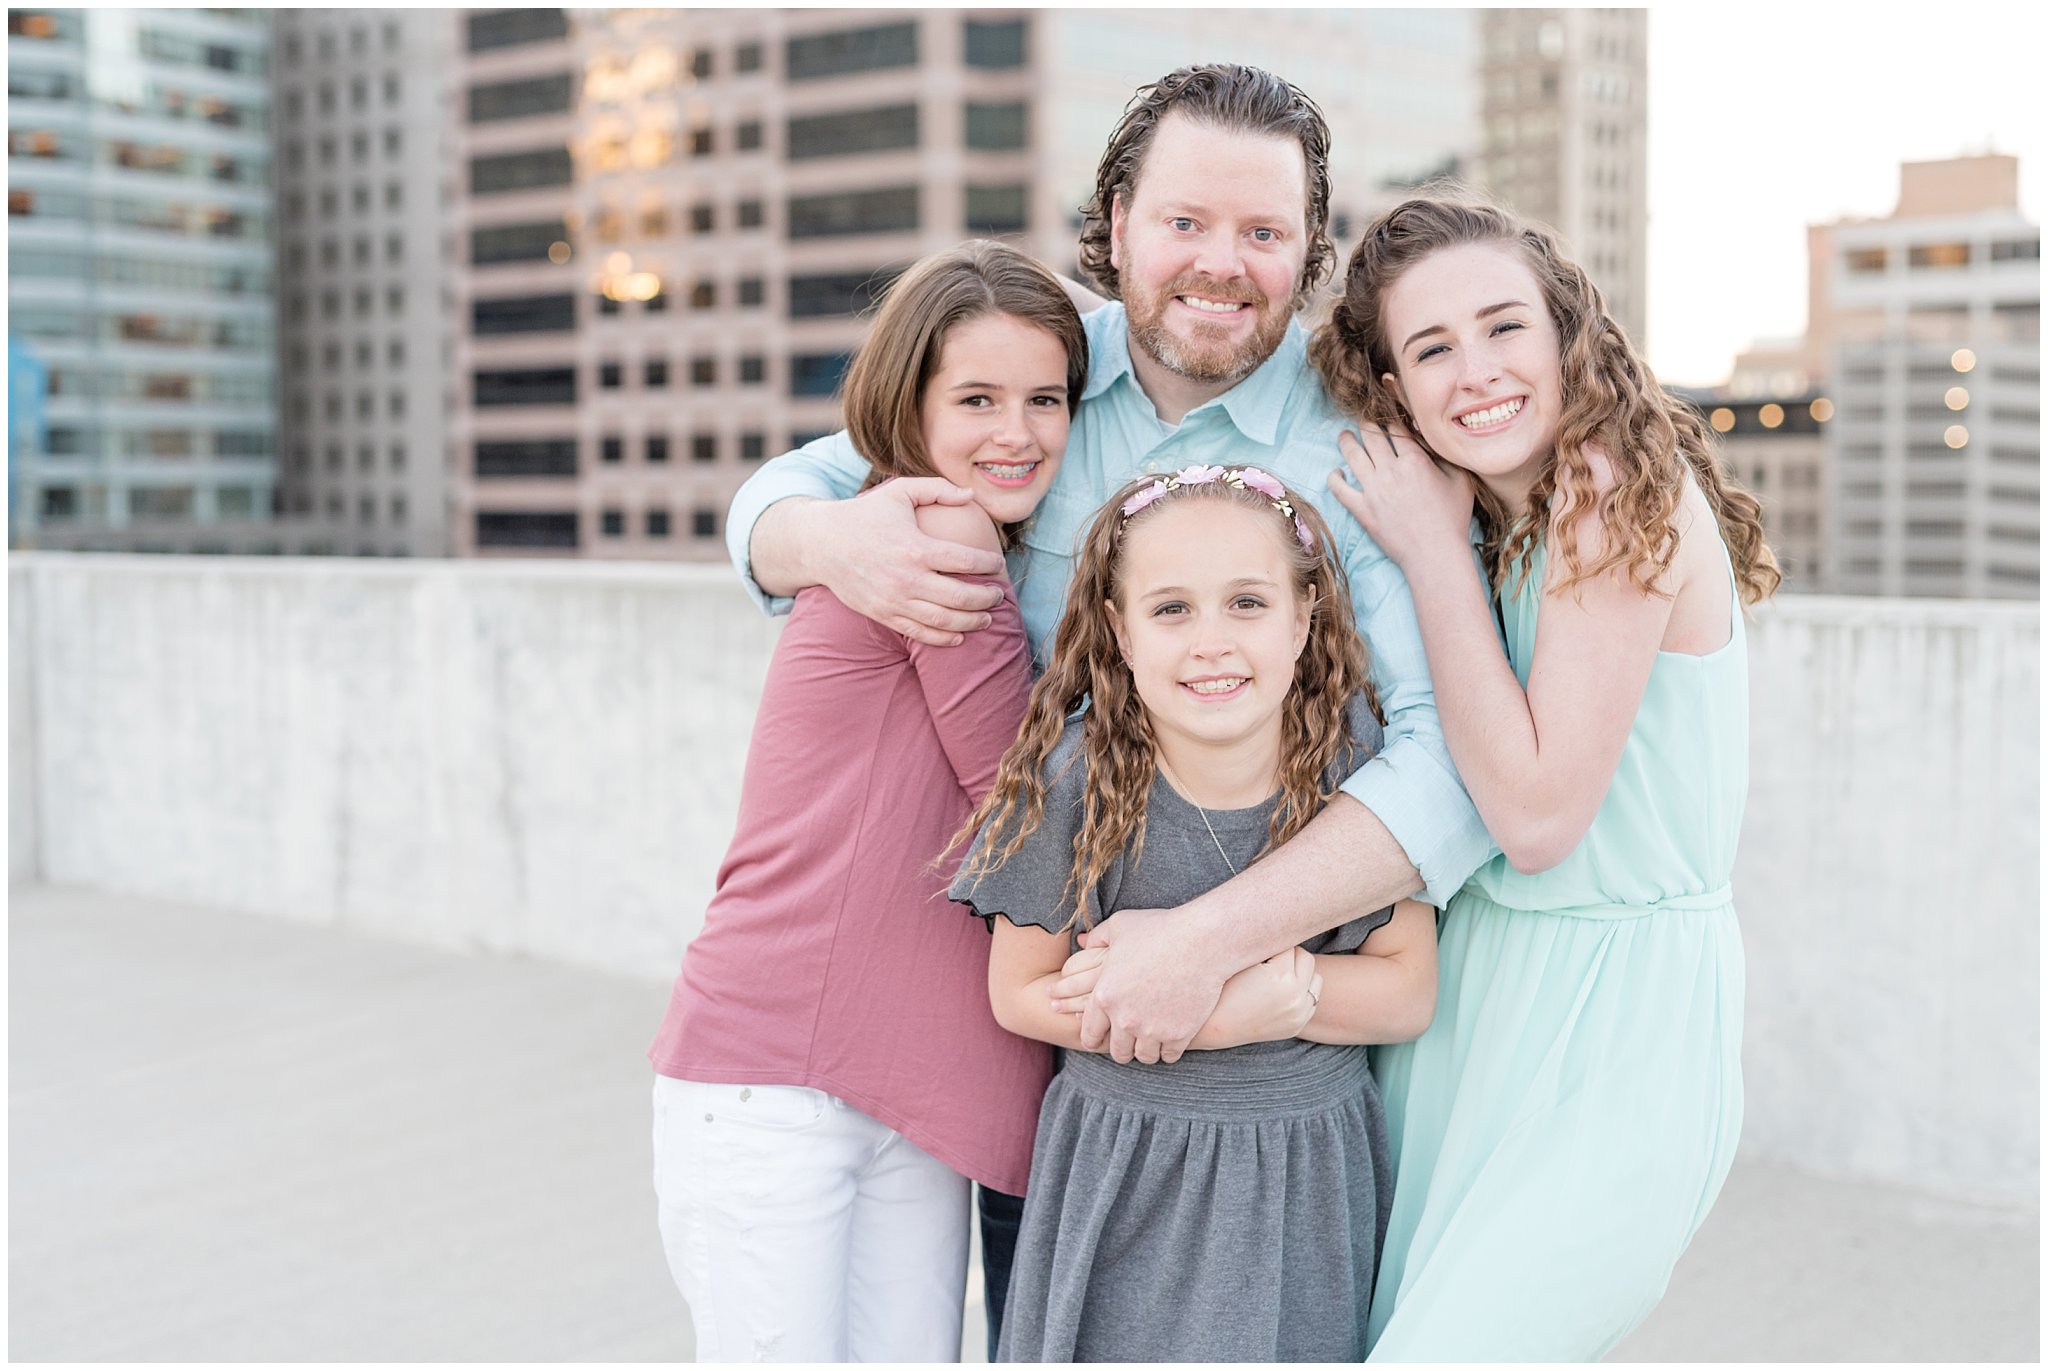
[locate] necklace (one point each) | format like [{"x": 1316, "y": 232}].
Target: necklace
[{"x": 1185, "y": 795}]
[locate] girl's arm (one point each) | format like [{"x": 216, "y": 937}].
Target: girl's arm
[
  {"x": 1537, "y": 763},
  {"x": 1385, "y": 992},
  {"x": 1022, "y": 966}
]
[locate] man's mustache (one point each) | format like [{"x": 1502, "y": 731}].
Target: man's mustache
[{"x": 1240, "y": 292}]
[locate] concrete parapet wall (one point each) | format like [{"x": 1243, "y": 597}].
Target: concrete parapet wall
[{"x": 545, "y": 759}]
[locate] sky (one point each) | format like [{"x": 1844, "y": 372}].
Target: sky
[{"x": 1764, "y": 119}]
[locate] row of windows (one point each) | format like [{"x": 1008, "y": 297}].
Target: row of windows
[
  {"x": 490, "y": 29},
  {"x": 296, "y": 303},
  {"x": 160, "y": 159},
  {"x": 514, "y": 171},
  {"x": 833, "y": 294},
  {"x": 295, "y": 256},
  {"x": 561, "y": 528},
  {"x": 151, "y": 216},
  {"x": 896, "y": 209},
  {"x": 159, "y": 101},
  {"x": 81, "y": 440},
  {"x": 358, "y": 43},
  {"x": 301, "y": 502},
  {"x": 1923, "y": 256},
  {"x": 326, "y": 149},
  {"x": 366, "y": 458},
  {"x": 557, "y": 457},
  {"x": 301, "y": 406},
  {"x": 152, "y": 274},
  {"x": 330, "y": 201},
  {"x": 810, "y": 374},
  {"x": 299, "y": 358},
  {"x": 325, "y": 96},
  {"x": 162, "y": 387},
  {"x": 147, "y": 327}
]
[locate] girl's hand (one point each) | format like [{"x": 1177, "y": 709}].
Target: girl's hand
[
  {"x": 1076, "y": 986},
  {"x": 1264, "y": 1003},
  {"x": 1413, "y": 505}
]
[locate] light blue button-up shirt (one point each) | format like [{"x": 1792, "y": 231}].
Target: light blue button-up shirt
[{"x": 1278, "y": 418}]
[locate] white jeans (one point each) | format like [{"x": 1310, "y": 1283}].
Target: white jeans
[{"x": 800, "y": 1229}]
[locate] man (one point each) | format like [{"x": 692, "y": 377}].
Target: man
[{"x": 1210, "y": 225}]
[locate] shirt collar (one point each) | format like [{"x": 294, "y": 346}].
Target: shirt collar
[{"x": 1254, "y": 404}]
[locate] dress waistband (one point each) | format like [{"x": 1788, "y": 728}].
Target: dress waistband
[
  {"x": 1256, "y": 1082},
  {"x": 1709, "y": 899}
]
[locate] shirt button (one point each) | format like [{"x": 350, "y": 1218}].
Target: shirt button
[{"x": 745, "y": 1094}]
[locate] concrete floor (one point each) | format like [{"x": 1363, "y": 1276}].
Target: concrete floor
[{"x": 234, "y": 1138}]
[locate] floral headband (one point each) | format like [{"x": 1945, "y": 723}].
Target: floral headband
[{"x": 1240, "y": 478}]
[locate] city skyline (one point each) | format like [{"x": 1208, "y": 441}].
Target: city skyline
[{"x": 1736, "y": 177}]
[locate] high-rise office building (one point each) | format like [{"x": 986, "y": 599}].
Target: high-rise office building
[
  {"x": 667, "y": 222},
  {"x": 362, "y": 322},
  {"x": 1565, "y": 94},
  {"x": 140, "y": 273},
  {"x": 1935, "y": 370}
]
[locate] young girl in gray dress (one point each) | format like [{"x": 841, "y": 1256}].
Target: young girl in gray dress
[{"x": 1227, "y": 1206}]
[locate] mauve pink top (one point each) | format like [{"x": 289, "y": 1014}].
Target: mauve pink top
[{"x": 830, "y": 955}]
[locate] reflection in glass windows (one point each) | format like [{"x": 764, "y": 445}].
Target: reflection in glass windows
[
  {"x": 850, "y": 50},
  {"x": 516, "y": 242},
  {"x": 847, "y": 132},
  {"x": 997, "y": 128},
  {"x": 548, "y": 94},
  {"x": 893, "y": 209},
  {"x": 524, "y": 314},
  {"x": 520, "y": 171}
]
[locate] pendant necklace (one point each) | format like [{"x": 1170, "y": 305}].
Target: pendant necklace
[{"x": 1176, "y": 783}]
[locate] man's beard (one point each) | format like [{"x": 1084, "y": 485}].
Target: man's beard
[{"x": 1208, "y": 355}]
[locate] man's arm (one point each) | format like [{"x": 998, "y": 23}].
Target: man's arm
[{"x": 791, "y": 525}]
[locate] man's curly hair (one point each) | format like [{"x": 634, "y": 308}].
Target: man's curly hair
[{"x": 1221, "y": 95}]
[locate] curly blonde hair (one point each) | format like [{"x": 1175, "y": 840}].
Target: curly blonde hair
[
  {"x": 1117, "y": 745},
  {"x": 1611, "y": 401}
]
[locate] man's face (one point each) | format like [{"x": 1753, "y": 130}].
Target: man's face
[{"x": 1210, "y": 246}]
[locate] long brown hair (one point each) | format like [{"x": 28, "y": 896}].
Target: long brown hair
[
  {"x": 1611, "y": 401},
  {"x": 1117, "y": 746},
  {"x": 1223, "y": 95},
  {"x": 883, "y": 393}
]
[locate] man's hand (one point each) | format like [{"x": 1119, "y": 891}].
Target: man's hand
[
  {"x": 870, "y": 553},
  {"x": 1153, "y": 990}
]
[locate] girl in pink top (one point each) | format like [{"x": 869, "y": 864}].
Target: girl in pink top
[{"x": 830, "y": 1074}]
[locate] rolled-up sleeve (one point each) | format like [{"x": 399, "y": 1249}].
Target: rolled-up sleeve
[
  {"x": 825, "y": 469},
  {"x": 1410, "y": 785}
]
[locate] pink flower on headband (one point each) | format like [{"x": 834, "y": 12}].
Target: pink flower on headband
[
  {"x": 1308, "y": 540},
  {"x": 1143, "y": 498},
  {"x": 1262, "y": 483},
  {"x": 1196, "y": 476}
]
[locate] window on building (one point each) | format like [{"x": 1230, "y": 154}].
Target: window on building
[
  {"x": 2016, "y": 250},
  {"x": 392, "y": 89},
  {"x": 704, "y": 295},
  {"x": 1922, "y": 255},
  {"x": 996, "y": 45},
  {"x": 526, "y": 457},
  {"x": 1864, "y": 260},
  {"x": 702, "y": 218},
  {"x": 703, "y": 371},
  {"x": 526, "y": 386},
  {"x": 703, "y": 447},
  {"x": 612, "y": 449},
  {"x": 849, "y": 50},
  {"x": 752, "y": 214},
  {"x": 657, "y": 523},
  {"x": 653, "y": 222},
  {"x": 753, "y": 447},
  {"x": 610, "y": 376},
  {"x": 397, "y": 457},
  {"x": 838, "y": 293},
  {"x": 700, "y": 64},
  {"x": 657, "y": 447},
  {"x": 394, "y": 247},
  {"x": 753, "y": 370},
  {"x": 613, "y": 523},
  {"x": 700, "y": 142},
  {"x": 746, "y": 57},
  {"x": 746, "y": 135},
  {"x": 656, "y": 303},
  {"x": 997, "y": 127},
  {"x": 394, "y": 299},
  {"x": 844, "y": 133},
  {"x": 520, "y": 171},
  {"x": 526, "y": 528},
  {"x": 550, "y": 94},
  {"x": 607, "y": 305},
  {"x": 516, "y": 242},
  {"x": 657, "y": 373},
  {"x": 996, "y": 209},
  {"x": 489, "y": 29},
  {"x": 704, "y": 523},
  {"x": 752, "y": 292},
  {"x": 817, "y": 373},
  {"x": 893, "y": 209}
]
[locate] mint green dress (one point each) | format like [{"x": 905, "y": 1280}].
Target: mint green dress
[{"x": 1566, "y": 1122}]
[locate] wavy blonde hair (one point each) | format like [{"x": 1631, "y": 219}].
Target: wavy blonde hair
[
  {"x": 1611, "y": 401},
  {"x": 1117, "y": 745}
]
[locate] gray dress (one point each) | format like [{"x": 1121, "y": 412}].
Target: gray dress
[{"x": 1225, "y": 1207}]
